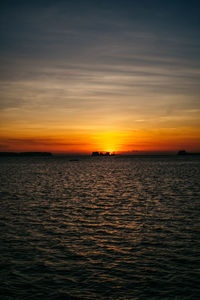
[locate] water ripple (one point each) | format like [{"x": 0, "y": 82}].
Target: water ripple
[{"x": 100, "y": 228}]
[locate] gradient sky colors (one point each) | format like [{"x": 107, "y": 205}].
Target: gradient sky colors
[{"x": 82, "y": 76}]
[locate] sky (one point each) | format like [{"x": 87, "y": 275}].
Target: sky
[{"x": 101, "y": 75}]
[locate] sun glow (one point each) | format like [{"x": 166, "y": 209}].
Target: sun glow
[
  {"x": 110, "y": 150},
  {"x": 108, "y": 141}
]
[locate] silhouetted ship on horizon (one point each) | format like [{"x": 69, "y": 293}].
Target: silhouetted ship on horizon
[{"x": 183, "y": 152}]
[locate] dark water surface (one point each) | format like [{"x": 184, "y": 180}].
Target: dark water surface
[{"x": 100, "y": 228}]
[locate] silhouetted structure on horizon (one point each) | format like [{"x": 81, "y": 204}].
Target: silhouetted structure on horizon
[{"x": 96, "y": 153}]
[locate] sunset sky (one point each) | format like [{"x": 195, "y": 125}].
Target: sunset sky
[{"x": 100, "y": 75}]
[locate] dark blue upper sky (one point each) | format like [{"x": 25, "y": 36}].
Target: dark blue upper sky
[{"x": 29, "y": 27}]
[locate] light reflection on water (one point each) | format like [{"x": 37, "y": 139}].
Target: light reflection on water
[{"x": 100, "y": 228}]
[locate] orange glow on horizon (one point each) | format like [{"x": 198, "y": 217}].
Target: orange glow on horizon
[{"x": 85, "y": 142}]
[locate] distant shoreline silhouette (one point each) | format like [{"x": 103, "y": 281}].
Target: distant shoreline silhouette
[
  {"x": 93, "y": 154},
  {"x": 25, "y": 154}
]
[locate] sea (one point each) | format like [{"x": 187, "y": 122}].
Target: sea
[{"x": 100, "y": 227}]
